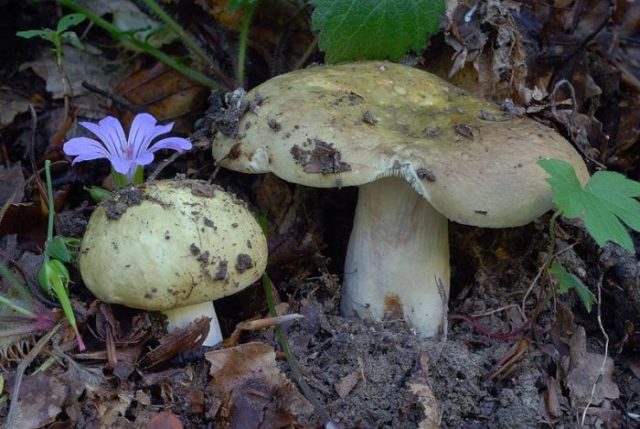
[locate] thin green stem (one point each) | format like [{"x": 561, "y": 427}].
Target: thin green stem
[
  {"x": 291, "y": 359},
  {"x": 15, "y": 307},
  {"x": 192, "y": 74},
  {"x": 24, "y": 292},
  {"x": 552, "y": 235},
  {"x": 191, "y": 44},
  {"x": 244, "y": 37},
  {"x": 47, "y": 172}
]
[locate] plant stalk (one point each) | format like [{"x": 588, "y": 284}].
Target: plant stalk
[{"x": 192, "y": 74}]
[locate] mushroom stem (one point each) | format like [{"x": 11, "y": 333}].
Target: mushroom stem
[
  {"x": 181, "y": 317},
  {"x": 398, "y": 258}
]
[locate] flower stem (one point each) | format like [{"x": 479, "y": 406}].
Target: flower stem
[
  {"x": 191, "y": 44},
  {"x": 47, "y": 172},
  {"x": 22, "y": 289},
  {"x": 15, "y": 307},
  {"x": 192, "y": 74},
  {"x": 291, "y": 359},
  {"x": 244, "y": 36}
]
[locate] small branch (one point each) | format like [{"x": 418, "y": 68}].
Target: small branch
[
  {"x": 163, "y": 165},
  {"x": 22, "y": 367},
  {"x": 606, "y": 352},
  {"x": 115, "y": 98}
]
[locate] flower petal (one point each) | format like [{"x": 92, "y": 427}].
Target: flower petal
[
  {"x": 123, "y": 166},
  {"x": 142, "y": 125},
  {"x": 88, "y": 157},
  {"x": 175, "y": 143},
  {"x": 143, "y": 132},
  {"x": 144, "y": 159},
  {"x": 110, "y": 132},
  {"x": 84, "y": 145}
]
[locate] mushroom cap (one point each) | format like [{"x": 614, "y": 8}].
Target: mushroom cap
[
  {"x": 169, "y": 244},
  {"x": 350, "y": 124}
]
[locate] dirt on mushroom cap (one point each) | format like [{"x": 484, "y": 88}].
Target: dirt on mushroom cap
[
  {"x": 469, "y": 147},
  {"x": 172, "y": 247}
]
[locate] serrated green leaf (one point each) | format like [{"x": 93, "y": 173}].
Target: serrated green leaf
[
  {"x": 604, "y": 203},
  {"x": 374, "y": 29},
  {"x": 68, "y": 21},
  {"x": 567, "y": 281}
]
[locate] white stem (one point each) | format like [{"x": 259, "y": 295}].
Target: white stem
[
  {"x": 181, "y": 317},
  {"x": 398, "y": 258}
]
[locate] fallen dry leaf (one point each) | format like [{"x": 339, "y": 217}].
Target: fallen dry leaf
[
  {"x": 13, "y": 103},
  {"x": 79, "y": 66},
  {"x": 585, "y": 370},
  {"x": 165, "y": 420},
  {"x": 185, "y": 339},
  {"x": 347, "y": 383},
  {"x": 165, "y": 93},
  {"x": 256, "y": 325},
  {"x": 252, "y": 391},
  {"x": 41, "y": 399},
  {"x": 551, "y": 401}
]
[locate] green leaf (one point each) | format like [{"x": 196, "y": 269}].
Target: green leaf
[
  {"x": 45, "y": 33},
  {"x": 567, "y": 282},
  {"x": 236, "y": 4},
  {"x": 57, "y": 248},
  {"x": 68, "y": 21},
  {"x": 374, "y": 29},
  {"x": 72, "y": 38},
  {"x": 54, "y": 278},
  {"x": 97, "y": 194},
  {"x": 604, "y": 203}
]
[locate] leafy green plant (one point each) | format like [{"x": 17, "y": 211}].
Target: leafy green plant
[
  {"x": 606, "y": 202},
  {"x": 374, "y": 29},
  {"x": 58, "y": 36},
  {"x": 21, "y": 313},
  {"x": 567, "y": 282},
  {"x": 53, "y": 275},
  {"x": 130, "y": 38}
]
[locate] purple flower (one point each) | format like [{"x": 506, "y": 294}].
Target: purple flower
[{"x": 125, "y": 155}]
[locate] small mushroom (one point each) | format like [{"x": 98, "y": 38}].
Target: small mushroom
[
  {"x": 434, "y": 153},
  {"x": 170, "y": 246}
]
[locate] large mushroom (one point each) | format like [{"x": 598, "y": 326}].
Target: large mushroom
[
  {"x": 172, "y": 246},
  {"x": 421, "y": 151}
]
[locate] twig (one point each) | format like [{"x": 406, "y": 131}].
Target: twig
[
  {"x": 22, "y": 367},
  {"x": 163, "y": 164},
  {"x": 540, "y": 272},
  {"x": 115, "y": 98},
  {"x": 572, "y": 123},
  {"x": 606, "y": 352},
  {"x": 305, "y": 57},
  {"x": 484, "y": 331},
  {"x": 32, "y": 154}
]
